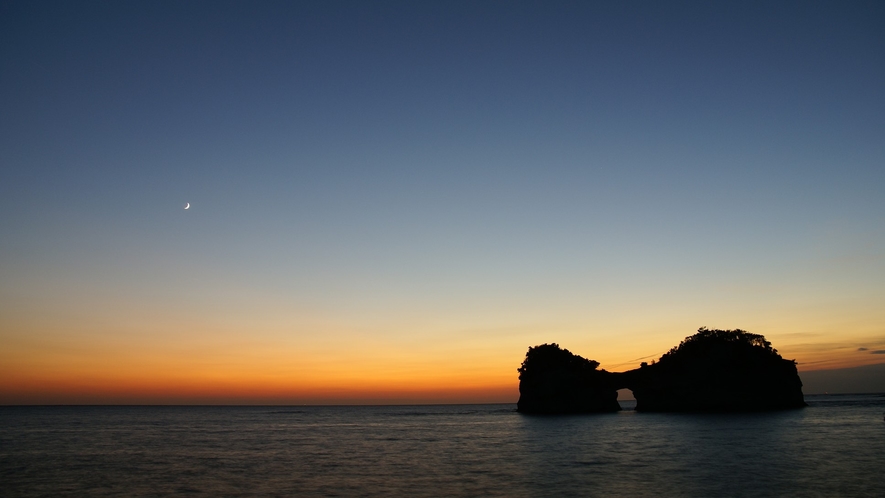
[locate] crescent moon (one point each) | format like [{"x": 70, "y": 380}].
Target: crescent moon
[{"x": 187, "y": 205}]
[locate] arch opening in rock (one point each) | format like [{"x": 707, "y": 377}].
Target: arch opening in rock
[{"x": 626, "y": 399}]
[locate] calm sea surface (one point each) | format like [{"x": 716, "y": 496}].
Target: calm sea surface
[{"x": 835, "y": 447}]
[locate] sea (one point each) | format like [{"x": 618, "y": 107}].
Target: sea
[{"x": 834, "y": 447}]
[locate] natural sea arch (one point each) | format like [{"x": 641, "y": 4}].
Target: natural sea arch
[{"x": 713, "y": 370}]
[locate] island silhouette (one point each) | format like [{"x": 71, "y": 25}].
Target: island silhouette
[{"x": 710, "y": 371}]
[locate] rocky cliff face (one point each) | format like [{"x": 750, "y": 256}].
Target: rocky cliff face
[
  {"x": 713, "y": 370},
  {"x": 553, "y": 380}
]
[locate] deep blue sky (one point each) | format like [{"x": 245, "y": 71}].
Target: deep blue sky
[{"x": 564, "y": 168}]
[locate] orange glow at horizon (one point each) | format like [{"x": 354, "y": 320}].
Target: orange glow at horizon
[
  {"x": 231, "y": 388},
  {"x": 258, "y": 377},
  {"x": 284, "y": 359}
]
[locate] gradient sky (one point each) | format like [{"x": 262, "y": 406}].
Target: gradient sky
[{"x": 392, "y": 200}]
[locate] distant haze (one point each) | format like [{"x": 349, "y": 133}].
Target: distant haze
[{"x": 865, "y": 379}]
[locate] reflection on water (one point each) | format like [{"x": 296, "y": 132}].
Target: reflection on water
[{"x": 835, "y": 447}]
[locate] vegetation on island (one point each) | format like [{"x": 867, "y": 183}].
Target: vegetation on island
[{"x": 547, "y": 357}]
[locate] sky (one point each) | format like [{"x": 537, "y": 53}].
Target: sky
[{"x": 391, "y": 201}]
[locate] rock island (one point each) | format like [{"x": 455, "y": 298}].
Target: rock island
[{"x": 711, "y": 371}]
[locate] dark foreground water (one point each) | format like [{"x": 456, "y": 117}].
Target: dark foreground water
[{"x": 835, "y": 447}]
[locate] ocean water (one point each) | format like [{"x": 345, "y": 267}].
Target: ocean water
[{"x": 835, "y": 447}]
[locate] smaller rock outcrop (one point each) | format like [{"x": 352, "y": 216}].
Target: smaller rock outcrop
[{"x": 553, "y": 380}]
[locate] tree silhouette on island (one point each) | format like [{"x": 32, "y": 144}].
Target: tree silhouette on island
[{"x": 711, "y": 371}]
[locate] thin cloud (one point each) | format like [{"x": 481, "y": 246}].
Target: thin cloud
[
  {"x": 634, "y": 361},
  {"x": 862, "y": 349},
  {"x": 878, "y": 351}
]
